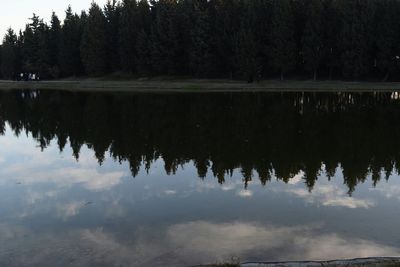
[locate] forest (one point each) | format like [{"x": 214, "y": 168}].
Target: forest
[{"x": 228, "y": 39}]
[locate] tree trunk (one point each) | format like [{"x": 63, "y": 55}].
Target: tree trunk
[
  {"x": 315, "y": 75},
  {"x": 282, "y": 78},
  {"x": 386, "y": 77},
  {"x": 330, "y": 73},
  {"x": 250, "y": 78}
]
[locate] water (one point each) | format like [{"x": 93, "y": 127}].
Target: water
[{"x": 91, "y": 179}]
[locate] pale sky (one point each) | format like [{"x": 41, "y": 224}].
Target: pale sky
[{"x": 15, "y": 13}]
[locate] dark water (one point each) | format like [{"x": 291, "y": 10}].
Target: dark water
[{"x": 178, "y": 180}]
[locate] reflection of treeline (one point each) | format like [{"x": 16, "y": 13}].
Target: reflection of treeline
[
  {"x": 263, "y": 135},
  {"x": 353, "y": 39}
]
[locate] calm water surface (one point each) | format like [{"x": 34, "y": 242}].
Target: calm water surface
[{"x": 90, "y": 179}]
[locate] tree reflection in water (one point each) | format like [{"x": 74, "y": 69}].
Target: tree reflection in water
[{"x": 265, "y": 135}]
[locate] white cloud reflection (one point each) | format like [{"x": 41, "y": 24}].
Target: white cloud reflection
[
  {"x": 188, "y": 244},
  {"x": 170, "y": 192},
  {"x": 329, "y": 195},
  {"x": 297, "y": 178},
  {"x": 389, "y": 190},
  {"x": 89, "y": 178},
  {"x": 225, "y": 240},
  {"x": 28, "y": 166},
  {"x": 245, "y": 193}
]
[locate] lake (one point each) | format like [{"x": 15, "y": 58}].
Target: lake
[{"x": 102, "y": 179}]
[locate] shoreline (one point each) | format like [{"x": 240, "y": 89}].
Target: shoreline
[
  {"x": 201, "y": 86},
  {"x": 357, "y": 262}
]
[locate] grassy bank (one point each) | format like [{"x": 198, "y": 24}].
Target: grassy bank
[{"x": 192, "y": 86}]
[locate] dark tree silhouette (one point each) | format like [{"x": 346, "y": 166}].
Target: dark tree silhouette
[
  {"x": 236, "y": 39},
  {"x": 9, "y": 55},
  {"x": 69, "y": 55},
  {"x": 94, "y": 42},
  {"x": 283, "y": 46}
]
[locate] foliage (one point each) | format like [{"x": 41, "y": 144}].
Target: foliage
[
  {"x": 8, "y": 55},
  {"x": 94, "y": 42},
  {"x": 69, "y": 55},
  {"x": 246, "y": 39},
  {"x": 283, "y": 47},
  {"x": 313, "y": 46}
]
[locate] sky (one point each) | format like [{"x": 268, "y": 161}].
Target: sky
[{"x": 15, "y": 13}]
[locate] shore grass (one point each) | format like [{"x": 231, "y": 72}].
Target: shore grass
[{"x": 199, "y": 86}]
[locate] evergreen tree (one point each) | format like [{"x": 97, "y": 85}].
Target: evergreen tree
[
  {"x": 355, "y": 42},
  {"x": 313, "y": 38},
  {"x": 200, "y": 52},
  {"x": 182, "y": 43},
  {"x": 216, "y": 38},
  {"x": 69, "y": 54},
  {"x": 283, "y": 46},
  {"x": 54, "y": 45},
  {"x": 331, "y": 28},
  {"x": 9, "y": 55},
  {"x": 112, "y": 14},
  {"x": 94, "y": 42},
  {"x": 387, "y": 37},
  {"x": 299, "y": 11},
  {"x": 224, "y": 35},
  {"x": 143, "y": 45},
  {"x": 165, "y": 47},
  {"x": 143, "y": 62},
  {"x": 31, "y": 45},
  {"x": 246, "y": 54},
  {"x": 247, "y": 57},
  {"x": 144, "y": 15},
  {"x": 128, "y": 30},
  {"x": 260, "y": 12},
  {"x": 43, "y": 64}
]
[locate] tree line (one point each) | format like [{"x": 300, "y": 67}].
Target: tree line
[
  {"x": 232, "y": 39},
  {"x": 262, "y": 136}
]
